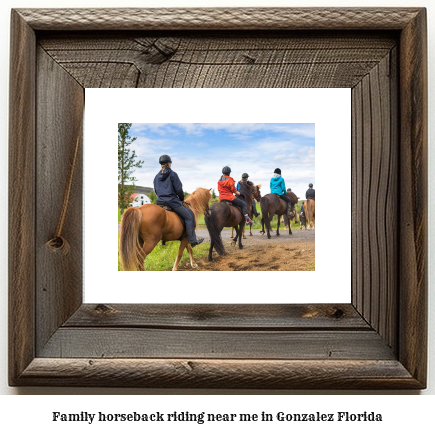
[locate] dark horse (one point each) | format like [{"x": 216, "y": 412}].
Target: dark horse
[
  {"x": 223, "y": 215},
  {"x": 270, "y": 205},
  {"x": 256, "y": 194}
]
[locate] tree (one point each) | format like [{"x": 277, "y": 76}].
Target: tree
[
  {"x": 213, "y": 194},
  {"x": 126, "y": 165},
  {"x": 153, "y": 196}
]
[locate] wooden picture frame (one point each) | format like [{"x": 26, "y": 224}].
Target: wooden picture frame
[{"x": 376, "y": 342}]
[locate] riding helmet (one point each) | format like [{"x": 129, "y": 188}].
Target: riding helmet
[
  {"x": 245, "y": 175},
  {"x": 226, "y": 170},
  {"x": 289, "y": 189},
  {"x": 278, "y": 171},
  {"x": 310, "y": 185},
  {"x": 165, "y": 159}
]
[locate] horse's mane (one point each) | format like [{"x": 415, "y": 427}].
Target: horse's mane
[
  {"x": 246, "y": 191},
  {"x": 198, "y": 202}
]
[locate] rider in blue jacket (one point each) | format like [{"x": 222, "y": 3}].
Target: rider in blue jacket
[
  {"x": 245, "y": 177},
  {"x": 277, "y": 186},
  {"x": 310, "y": 193},
  {"x": 169, "y": 190}
]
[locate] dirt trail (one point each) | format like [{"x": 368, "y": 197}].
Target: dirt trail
[{"x": 280, "y": 253}]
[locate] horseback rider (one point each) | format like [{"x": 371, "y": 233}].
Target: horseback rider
[
  {"x": 169, "y": 190},
  {"x": 227, "y": 189},
  {"x": 277, "y": 186},
  {"x": 245, "y": 177},
  {"x": 289, "y": 190},
  {"x": 310, "y": 193},
  {"x": 302, "y": 217}
]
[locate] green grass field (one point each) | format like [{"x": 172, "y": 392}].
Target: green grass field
[{"x": 162, "y": 258}]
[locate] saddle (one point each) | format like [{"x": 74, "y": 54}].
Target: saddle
[
  {"x": 230, "y": 203},
  {"x": 166, "y": 207}
]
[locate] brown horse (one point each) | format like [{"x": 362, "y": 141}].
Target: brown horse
[
  {"x": 270, "y": 205},
  {"x": 143, "y": 227},
  {"x": 310, "y": 214},
  {"x": 222, "y": 215}
]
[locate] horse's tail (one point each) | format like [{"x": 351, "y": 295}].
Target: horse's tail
[
  {"x": 213, "y": 229},
  {"x": 129, "y": 247},
  {"x": 265, "y": 212}
]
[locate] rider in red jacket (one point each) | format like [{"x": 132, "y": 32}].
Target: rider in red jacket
[{"x": 227, "y": 190}]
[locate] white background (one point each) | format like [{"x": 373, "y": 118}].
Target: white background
[
  {"x": 404, "y": 413},
  {"x": 329, "y": 109}
]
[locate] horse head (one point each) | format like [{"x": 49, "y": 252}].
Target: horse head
[{"x": 256, "y": 192}]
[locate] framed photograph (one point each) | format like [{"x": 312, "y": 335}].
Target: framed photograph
[
  {"x": 375, "y": 341},
  {"x": 293, "y": 129}
]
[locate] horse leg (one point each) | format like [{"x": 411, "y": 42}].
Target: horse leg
[
  {"x": 232, "y": 229},
  {"x": 268, "y": 220},
  {"x": 183, "y": 244},
  {"x": 265, "y": 221},
  {"x": 290, "y": 227},
  {"x": 233, "y": 243},
  {"x": 241, "y": 228},
  {"x": 210, "y": 252},
  {"x": 243, "y": 234},
  {"x": 147, "y": 248},
  {"x": 192, "y": 262},
  {"x": 140, "y": 256},
  {"x": 277, "y": 227}
]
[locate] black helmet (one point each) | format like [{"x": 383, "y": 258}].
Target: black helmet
[
  {"x": 289, "y": 189},
  {"x": 310, "y": 185},
  {"x": 245, "y": 175},
  {"x": 165, "y": 159},
  {"x": 226, "y": 169},
  {"x": 278, "y": 171}
]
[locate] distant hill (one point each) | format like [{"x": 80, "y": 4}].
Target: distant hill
[{"x": 142, "y": 190}]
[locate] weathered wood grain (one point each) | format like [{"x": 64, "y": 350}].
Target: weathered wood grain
[
  {"x": 220, "y": 18},
  {"x": 127, "y": 342},
  {"x": 21, "y": 197},
  {"x": 234, "y": 61},
  {"x": 60, "y": 105},
  {"x": 228, "y": 374},
  {"x": 375, "y": 198},
  {"x": 357, "y": 197},
  {"x": 413, "y": 193},
  {"x": 252, "y": 317},
  {"x": 391, "y": 211}
]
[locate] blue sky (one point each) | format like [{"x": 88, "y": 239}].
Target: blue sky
[{"x": 200, "y": 151}]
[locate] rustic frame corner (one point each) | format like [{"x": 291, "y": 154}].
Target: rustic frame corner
[{"x": 376, "y": 342}]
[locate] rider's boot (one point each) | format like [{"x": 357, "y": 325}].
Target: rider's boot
[
  {"x": 198, "y": 241},
  {"x": 248, "y": 220}
]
